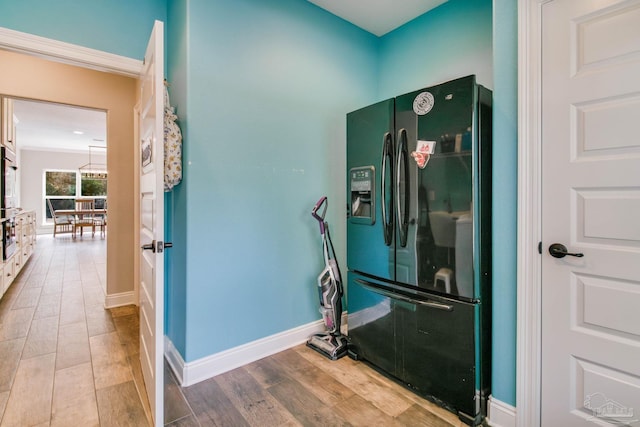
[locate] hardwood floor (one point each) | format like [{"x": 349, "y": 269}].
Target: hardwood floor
[
  {"x": 299, "y": 387},
  {"x": 66, "y": 361}
]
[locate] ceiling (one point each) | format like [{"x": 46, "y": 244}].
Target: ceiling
[
  {"x": 378, "y": 16},
  {"x": 57, "y": 127},
  {"x": 49, "y": 126}
]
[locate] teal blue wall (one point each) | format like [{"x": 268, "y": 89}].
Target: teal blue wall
[
  {"x": 505, "y": 201},
  {"x": 177, "y": 48},
  {"x": 450, "y": 41},
  {"x": 116, "y": 26},
  {"x": 268, "y": 88}
]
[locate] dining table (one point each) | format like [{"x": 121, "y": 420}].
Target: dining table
[{"x": 81, "y": 211}]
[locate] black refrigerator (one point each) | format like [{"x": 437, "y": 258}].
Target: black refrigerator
[{"x": 419, "y": 242}]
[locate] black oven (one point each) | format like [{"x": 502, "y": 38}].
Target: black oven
[
  {"x": 8, "y": 237},
  {"x": 8, "y": 199}
]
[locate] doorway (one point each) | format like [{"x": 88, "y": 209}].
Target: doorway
[
  {"x": 28, "y": 77},
  {"x": 62, "y": 154}
]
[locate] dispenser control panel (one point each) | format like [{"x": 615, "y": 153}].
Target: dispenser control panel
[{"x": 362, "y": 194}]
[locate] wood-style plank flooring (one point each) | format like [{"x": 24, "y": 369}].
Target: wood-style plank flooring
[
  {"x": 299, "y": 387},
  {"x": 66, "y": 361}
]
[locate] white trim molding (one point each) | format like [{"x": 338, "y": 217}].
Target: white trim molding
[
  {"x": 69, "y": 53},
  {"x": 118, "y": 300},
  {"x": 501, "y": 414},
  {"x": 529, "y": 285},
  {"x": 189, "y": 373}
]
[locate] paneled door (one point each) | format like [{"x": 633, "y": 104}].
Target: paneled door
[
  {"x": 151, "y": 145},
  {"x": 590, "y": 212}
]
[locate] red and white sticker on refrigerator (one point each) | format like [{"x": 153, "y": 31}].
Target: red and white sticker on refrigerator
[{"x": 424, "y": 150}]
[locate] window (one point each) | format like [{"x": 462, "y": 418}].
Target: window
[
  {"x": 95, "y": 188},
  {"x": 63, "y": 187},
  {"x": 60, "y": 188}
]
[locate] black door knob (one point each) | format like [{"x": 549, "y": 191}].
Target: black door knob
[
  {"x": 150, "y": 246},
  {"x": 558, "y": 250}
]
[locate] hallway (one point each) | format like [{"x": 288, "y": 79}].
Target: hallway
[{"x": 65, "y": 359}]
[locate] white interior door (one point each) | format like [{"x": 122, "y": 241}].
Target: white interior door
[
  {"x": 591, "y": 204},
  {"x": 152, "y": 222}
]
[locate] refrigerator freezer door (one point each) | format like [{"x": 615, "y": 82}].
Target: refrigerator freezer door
[
  {"x": 440, "y": 349},
  {"x": 372, "y": 325},
  {"x": 370, "y": 210},
  {"x": 429, "y": 343}
]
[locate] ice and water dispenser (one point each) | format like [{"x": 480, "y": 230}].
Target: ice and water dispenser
[{"x": 362, "y": 194}]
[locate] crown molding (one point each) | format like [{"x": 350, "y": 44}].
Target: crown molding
[{"x": 68, "y": 53}]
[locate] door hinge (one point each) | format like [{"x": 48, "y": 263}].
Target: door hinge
[{"x": 540, "y": 248}]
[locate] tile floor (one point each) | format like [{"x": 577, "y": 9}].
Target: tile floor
[{"x": 65, "y": 360}]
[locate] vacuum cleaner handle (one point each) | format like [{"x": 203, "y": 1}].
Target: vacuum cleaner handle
[{"x": 320, "y": 218}]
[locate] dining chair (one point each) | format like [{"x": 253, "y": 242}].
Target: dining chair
[
  {"x": 61, "y": 223},
  {"x": 86, "y": 218},
  {"x": 100, "y": 220}
]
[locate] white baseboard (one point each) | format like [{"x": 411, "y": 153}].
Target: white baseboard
[
  {"x": 501, "y": 414},
  {"x": 118, "y": 300},
  {"x": 189, "y": 373},
  {"x": 175, "y": 360}
]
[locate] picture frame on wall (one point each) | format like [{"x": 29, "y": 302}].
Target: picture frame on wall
[{"x": 146, "y": 152}]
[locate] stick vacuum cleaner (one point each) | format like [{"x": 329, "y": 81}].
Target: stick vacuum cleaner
[{"x": 331, "y": 343}]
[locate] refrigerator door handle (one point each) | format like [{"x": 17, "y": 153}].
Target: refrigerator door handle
[
  {"x": 387, "y": 222},
  {"x": 402, "y": 166},
  {"x": 431, "y": 304}
]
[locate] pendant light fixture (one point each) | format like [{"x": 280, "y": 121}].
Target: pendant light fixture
[{"x": 94, "y": 170}]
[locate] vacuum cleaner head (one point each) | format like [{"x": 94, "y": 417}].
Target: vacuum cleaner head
[{"x": 331, "y": 346}]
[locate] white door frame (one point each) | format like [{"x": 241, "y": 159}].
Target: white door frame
[{"x": 529, "y": 277}]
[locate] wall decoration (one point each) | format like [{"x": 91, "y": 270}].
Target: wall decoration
[{"x": 146, "y": 151}]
